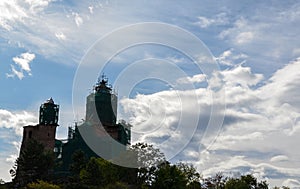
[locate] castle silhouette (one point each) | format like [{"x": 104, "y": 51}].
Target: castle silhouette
[{"x": 100, "y": 120}]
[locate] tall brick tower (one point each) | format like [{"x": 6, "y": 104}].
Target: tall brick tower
[{"x": 45, "y": 131}]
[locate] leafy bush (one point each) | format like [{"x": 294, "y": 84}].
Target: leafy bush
[{"x": 42, "y": 185}]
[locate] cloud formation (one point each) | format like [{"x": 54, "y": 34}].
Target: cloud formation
[
  {"x": 23, "y": 62},
  {"x": 259, "y": 131},
  {"x": 11, "y": 128},
  {"x": 16, "y": 120},
  {"x": 219, "y": 19},
  {"x": 14, "y": 12},
  {"x": 261, "y": 123}
]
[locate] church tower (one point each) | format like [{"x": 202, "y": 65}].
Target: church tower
[
  {"x": 45, "y": 131},
  {"x": 101, "y": 105}
]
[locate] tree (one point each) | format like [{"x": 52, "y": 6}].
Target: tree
[
  {"x": 33, "y": 163},
  {"x": 148, "y": 158},
  {"x": 117, "y": 185},
  {"x": 217, "y": 182},
  {"x": 245, "y": 182},
  {"x": 169, "y": 177},
  {"x": 234, "y": 183},
  {"x": 99, "y": 172},
  {"x": 42, "y": 185},
  {"x": 194, "y": 185},
  {"x": 283, "y": 187},
  {"x": 3, "y": 185},
  {"x": 91, "y": 174},
  {"x": 190, "y": 173},
  {"x": 79, "y": 161},
  {"x": 262, "y": 185}
]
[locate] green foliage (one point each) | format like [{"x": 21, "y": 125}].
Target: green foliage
[
  {"x": 217, "y": 182},
  {"x": 245, "y": 182},
  {"x": 42, "y": 185},
  {"x": 148, "y": 155},
  {"x": 190, "y": 172},
  {"x": 236, "y": 184},
  {"x": 3, "y": 186},
  {"x": 79, "y": 161},
  {"x": 91, "y": 174},
  {"x": 148, "y": 158},
  {"x": 154, "y": 172},
  {"x": 263, "y": 185},
  {"x": 194, "y": 185},
  {"x": 99, "y": 172},
  {"x": 33, "y": 163},
  {"x": 169, "y": 177},
  {"x": 117, "y": 185}
]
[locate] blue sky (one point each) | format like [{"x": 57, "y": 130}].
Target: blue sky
[{"x": 44, "y": 43}]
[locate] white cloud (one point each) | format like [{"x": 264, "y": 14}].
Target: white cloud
[
  {"x": 203, "y": 22},
  {"x": 38, "y": 5},
  {"x": 236, "y": 165},
  {"x": 23, "y": 61},
  {"x": 195, "y": 79},
  {"x": 41, "y": 25},
  {"x": 231, "y": 57},
  {"x": 268, "y": 36},
  {"x": 6, "y": 166},
  {"x": 78, "y": 19},
  {"x": 15, "y": 72},
  {"x": 279, "y": 158},
  {"x": 219, "y": 19},
  {"x": 284, "y": 85},
  {"x": 60, "y": 36},
  {"x": 11, "y": 126},
  {"x": 269, "y": 114},
  {"x": 11, "y": 158},
  {"x": 296, "y": 52},
  {"x": 292, "y": 183},
  {"x": 91, "y": 9},
  {"x": 16, "y": 120},
  {"x": 244, "y": 37},
  {"x": 259, "y": 122},
  {"x": 242, "y": 32},
  {"x": 242, "y": 76},
  {"x": 11, "y": 12},
  {"x": 14, "y": 12}
]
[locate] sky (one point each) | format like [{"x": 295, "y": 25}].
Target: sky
[{"x": 212, "y": 83}]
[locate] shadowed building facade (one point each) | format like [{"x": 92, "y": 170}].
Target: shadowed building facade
[
  {"x": 100, "y": 122},
  {"x": 45, "y": 131}
]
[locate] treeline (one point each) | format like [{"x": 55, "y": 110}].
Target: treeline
[{"x": 34, "y": 170}]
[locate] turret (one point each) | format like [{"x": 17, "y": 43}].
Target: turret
[
  {"x": 49, "y": 113},
  {"x": 45, "y": 131},
  {"x": 102, "y": 104}
]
